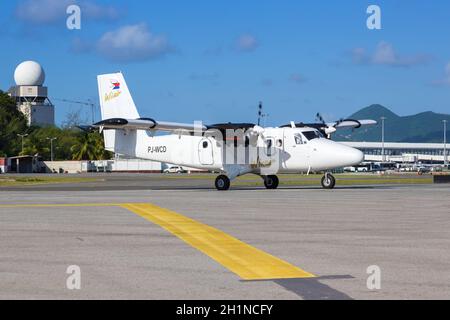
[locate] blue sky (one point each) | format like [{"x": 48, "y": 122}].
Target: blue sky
[{"x": 215, "y": 60}]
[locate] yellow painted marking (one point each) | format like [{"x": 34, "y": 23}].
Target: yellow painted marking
[{"x": 244, "y": 260}]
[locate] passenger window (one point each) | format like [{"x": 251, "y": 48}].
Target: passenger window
[
  {"x": 279, "y": 143},
  {"x": 269, "y": 145}
]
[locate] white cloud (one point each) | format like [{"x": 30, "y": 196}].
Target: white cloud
[
  {"x": 95, "y": 11},
  {"x": 386, "y": 55},
  {"x": 445, "y": 81},
  {"x": 359, "y": 55},
  {"x": 42, "y": 11},
  {"x": 133, "y": 43},
  {"x": 247, "y": 43}
]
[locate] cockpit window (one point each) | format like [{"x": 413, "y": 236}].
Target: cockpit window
[
  {"x": 310, "y": 135},
  {"x": 298, "y": 138}
]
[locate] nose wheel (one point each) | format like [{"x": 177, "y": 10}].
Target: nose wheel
[
  {"x": 328, "y": 181},
  {"x": 222, "y": 183},
  {"x": 271, "y": 182}
]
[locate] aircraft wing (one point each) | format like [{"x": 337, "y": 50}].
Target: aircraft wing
[
  {"x": 147, "y": 124},
  {"x": 151, "y": 124},
  {"x": 350, "y": 123},
  {"x": 329, "y": 128},
  {"x": 342, "y": 124}
]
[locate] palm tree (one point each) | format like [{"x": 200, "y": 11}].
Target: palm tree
[{"x": 89, "y": 147}]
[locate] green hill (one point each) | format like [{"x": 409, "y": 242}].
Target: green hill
[{"x": 426, "y": 127}]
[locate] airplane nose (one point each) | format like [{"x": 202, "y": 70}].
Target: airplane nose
[
  {"x": 354, "y": 157},
  {"x": 329, "y": 154}
]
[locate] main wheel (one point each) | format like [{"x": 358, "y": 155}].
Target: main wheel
[
  {"x": 222, "y": 183},
  {"x": 271, "y": 182},
  {"x": 328, "y": 181}
]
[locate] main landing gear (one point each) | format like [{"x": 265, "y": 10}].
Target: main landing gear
[
  {"x": 328, "y": 181},
  {"x": 271, "y": 182},
  {"x": 223, "y": 182}
]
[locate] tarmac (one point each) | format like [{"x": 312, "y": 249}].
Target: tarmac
[{"x": 154, "y": 237}]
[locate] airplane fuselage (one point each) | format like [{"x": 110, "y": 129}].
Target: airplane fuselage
[{"x": 281, "y": 150}]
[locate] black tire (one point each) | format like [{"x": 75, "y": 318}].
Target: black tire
[
  {"x": 271, "y": 182},
  {"x": 328, "y": 181},
  {"x": 222, "y": 183}
]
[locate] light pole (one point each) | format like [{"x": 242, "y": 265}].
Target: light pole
[
  {"x": 383, "y": 158},
  {"x": 445, "y": 143},
  {"x": 51, "y": 146},
  {"x": 22, "y": 136}
]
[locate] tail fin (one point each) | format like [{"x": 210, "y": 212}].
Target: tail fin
[
  {"x": 115, "y": 98},
  {"x": 116, "y": 102}
]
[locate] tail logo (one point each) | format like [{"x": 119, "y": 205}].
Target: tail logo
[
  {"x": 115, "y": 91},
  {"x": 115, "y": 85}
]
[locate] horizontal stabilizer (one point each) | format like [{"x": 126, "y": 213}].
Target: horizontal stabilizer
[{"x": 87, "y": 129}]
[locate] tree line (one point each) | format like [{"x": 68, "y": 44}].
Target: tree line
[{"x": 71, "y": 143}]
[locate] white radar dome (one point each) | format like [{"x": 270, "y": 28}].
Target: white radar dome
[{"x": 29, "y": 73}]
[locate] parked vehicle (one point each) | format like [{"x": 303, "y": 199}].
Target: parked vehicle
[
  {"x": 423, "y": 170},
  {"x": 174, "y": 169}
]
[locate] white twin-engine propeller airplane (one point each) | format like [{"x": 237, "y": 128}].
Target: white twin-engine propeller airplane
[{"x": 234, "y": 149}]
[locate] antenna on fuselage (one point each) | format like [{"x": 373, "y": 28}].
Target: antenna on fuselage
[{"x": 260, "y": 113}]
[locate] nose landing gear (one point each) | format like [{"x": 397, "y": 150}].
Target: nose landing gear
[{"x": 328, "y": 181}]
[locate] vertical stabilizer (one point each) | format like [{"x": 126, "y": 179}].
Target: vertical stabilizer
[
  {"x": 116, "y": 102},
  {"x": 115, "y": 98}
]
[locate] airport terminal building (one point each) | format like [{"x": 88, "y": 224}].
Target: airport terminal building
[{"x": 426, "y": 153}]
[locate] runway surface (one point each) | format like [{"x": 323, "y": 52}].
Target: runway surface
[{"x": 150, "y": 237}]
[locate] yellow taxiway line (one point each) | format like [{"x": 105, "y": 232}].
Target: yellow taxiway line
[{"x": 246, "y": 261}]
